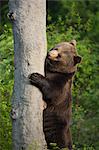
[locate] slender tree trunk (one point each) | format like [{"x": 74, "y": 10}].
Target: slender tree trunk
[{"x": 29, "y": 28}]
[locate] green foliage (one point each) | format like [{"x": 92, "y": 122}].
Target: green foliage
[
  {"x": 6, "y": 84},
  {"x": 53, "y": 146}
]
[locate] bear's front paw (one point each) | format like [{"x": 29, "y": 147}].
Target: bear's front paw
[{"x": 35, "y": 77}]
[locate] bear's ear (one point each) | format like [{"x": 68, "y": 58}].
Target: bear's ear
[
  {"x": 73, "y": 42},
  {"x": 77, "y": 59}
]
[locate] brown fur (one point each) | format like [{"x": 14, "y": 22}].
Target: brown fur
[{"x": 60, "y": 66}]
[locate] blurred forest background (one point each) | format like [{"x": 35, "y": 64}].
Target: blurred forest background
[{"x": 66, "y": 20}]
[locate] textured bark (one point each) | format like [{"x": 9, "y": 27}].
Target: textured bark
[{"x": 29, "y": 28}]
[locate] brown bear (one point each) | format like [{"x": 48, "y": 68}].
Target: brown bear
[{"x": 60, "y": 67}]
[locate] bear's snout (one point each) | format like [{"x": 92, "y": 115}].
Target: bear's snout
[{"x": 53, "y": 54}]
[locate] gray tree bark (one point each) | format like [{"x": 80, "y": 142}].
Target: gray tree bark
[{"x": 29, "y": 28}]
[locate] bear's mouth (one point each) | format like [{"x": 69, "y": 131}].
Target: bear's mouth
[{"x": 49, "y": 62}]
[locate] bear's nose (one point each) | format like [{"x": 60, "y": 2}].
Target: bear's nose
[{"x": 53, "y": 54}]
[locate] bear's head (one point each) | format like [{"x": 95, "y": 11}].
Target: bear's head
[{"x": 63, "y": 58}]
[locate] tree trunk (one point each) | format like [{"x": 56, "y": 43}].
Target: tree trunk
[{"x": 29, "y": 28}]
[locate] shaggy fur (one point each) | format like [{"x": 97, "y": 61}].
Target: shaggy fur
[{"x": 60, "y": 66}]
